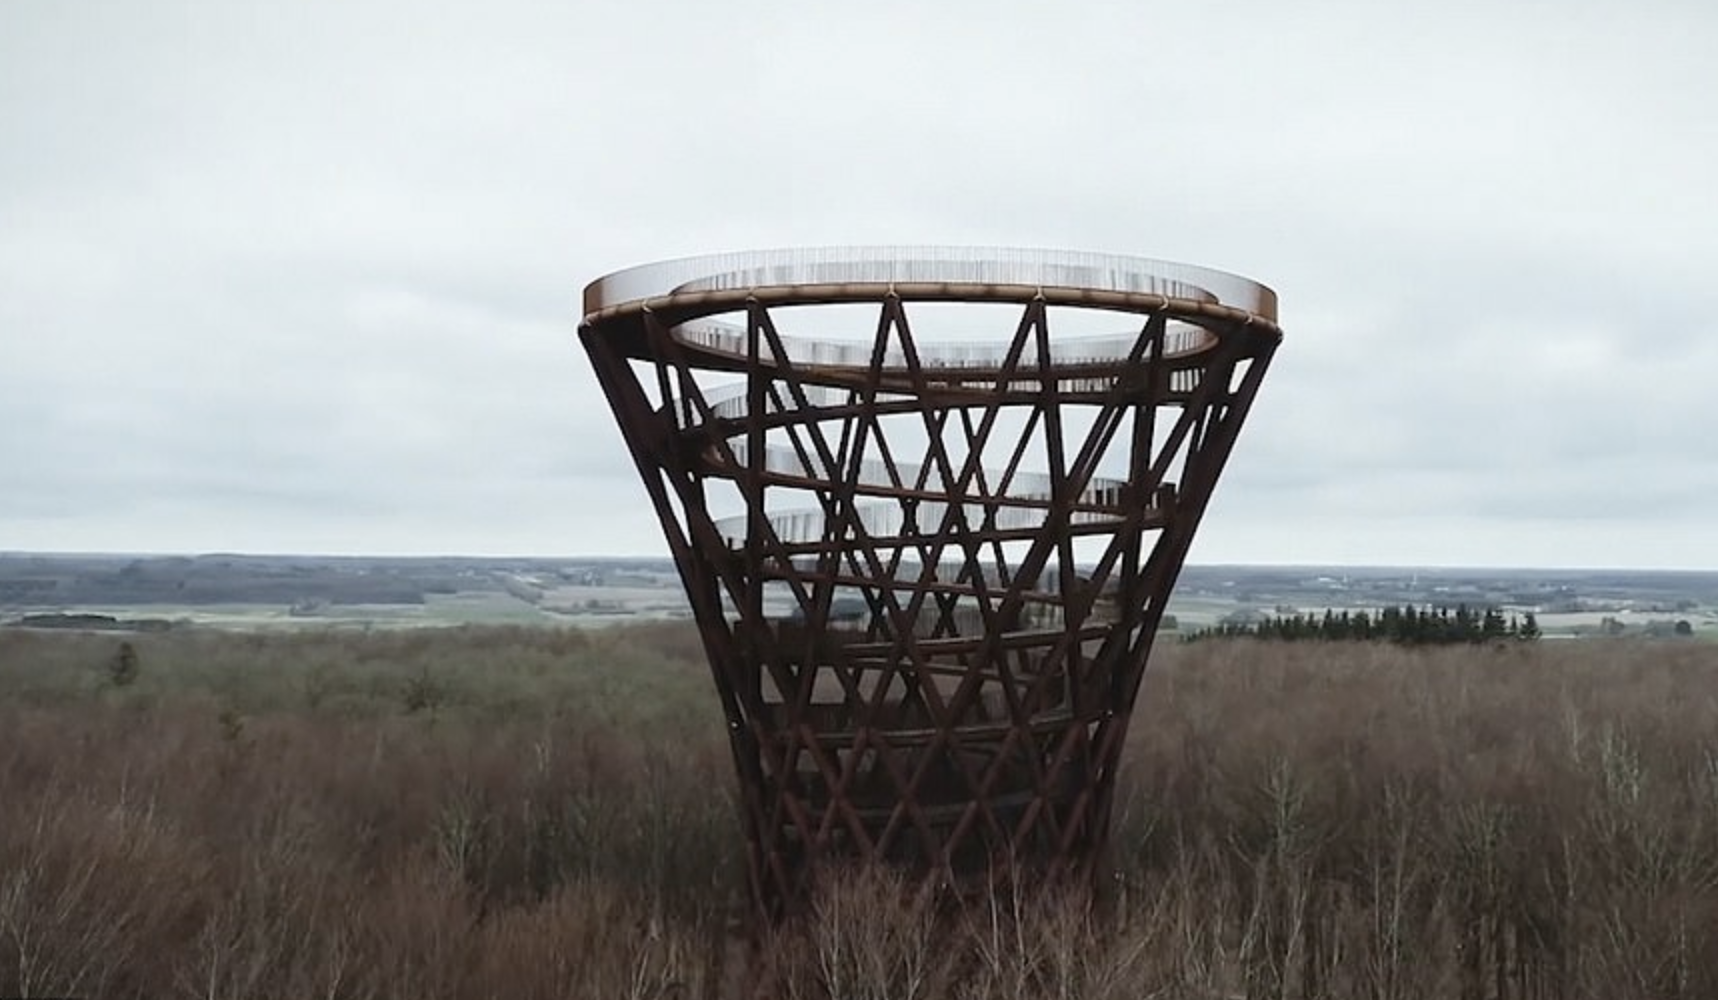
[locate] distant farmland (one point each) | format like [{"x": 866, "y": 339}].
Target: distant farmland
[{"x": 294, "y": 591}]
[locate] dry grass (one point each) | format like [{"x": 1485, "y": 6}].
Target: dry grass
[{"x": 531, "y": 813}]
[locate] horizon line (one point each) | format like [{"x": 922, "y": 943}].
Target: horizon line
[{"x": 666, "y": 558}]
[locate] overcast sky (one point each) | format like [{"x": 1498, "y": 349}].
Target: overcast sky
[{"x": 304, "y": 277}]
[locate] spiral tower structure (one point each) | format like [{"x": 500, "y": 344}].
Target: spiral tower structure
[{"x": 928, "y": 505}]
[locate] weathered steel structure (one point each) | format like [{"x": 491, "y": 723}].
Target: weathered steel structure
[{"x": 928, "y": 505}]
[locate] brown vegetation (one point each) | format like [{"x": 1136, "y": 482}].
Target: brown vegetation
[{"x": 535, "y": 813}]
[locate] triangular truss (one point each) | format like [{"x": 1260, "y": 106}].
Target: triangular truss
[{"x": 929, "y": 619}]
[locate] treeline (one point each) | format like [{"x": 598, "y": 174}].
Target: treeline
[{"x": 1406, "y": 625}]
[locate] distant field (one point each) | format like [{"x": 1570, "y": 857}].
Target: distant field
[
  {"x": 597, "y": 607},
  {"x": 266, "y": 592},
  {"x": 438, "y": 610},
  {"x": 1704, "y": 622}
]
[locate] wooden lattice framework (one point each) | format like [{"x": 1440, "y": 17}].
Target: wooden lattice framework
[{"x": 931, "y": 602}]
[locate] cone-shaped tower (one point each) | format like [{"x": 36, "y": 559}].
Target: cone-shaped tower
[{"x": 928, "y": 505}]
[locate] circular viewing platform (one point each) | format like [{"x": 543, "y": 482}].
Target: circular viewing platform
[{"x": 700, "y": 286}]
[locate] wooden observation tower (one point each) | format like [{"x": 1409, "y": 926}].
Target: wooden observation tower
[{"x": 928, "y": 505}]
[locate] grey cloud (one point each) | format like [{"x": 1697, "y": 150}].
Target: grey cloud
[{"x": 306, "y": 276}]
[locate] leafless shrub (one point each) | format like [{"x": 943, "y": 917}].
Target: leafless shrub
[{"x": 262, "y": 815}]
